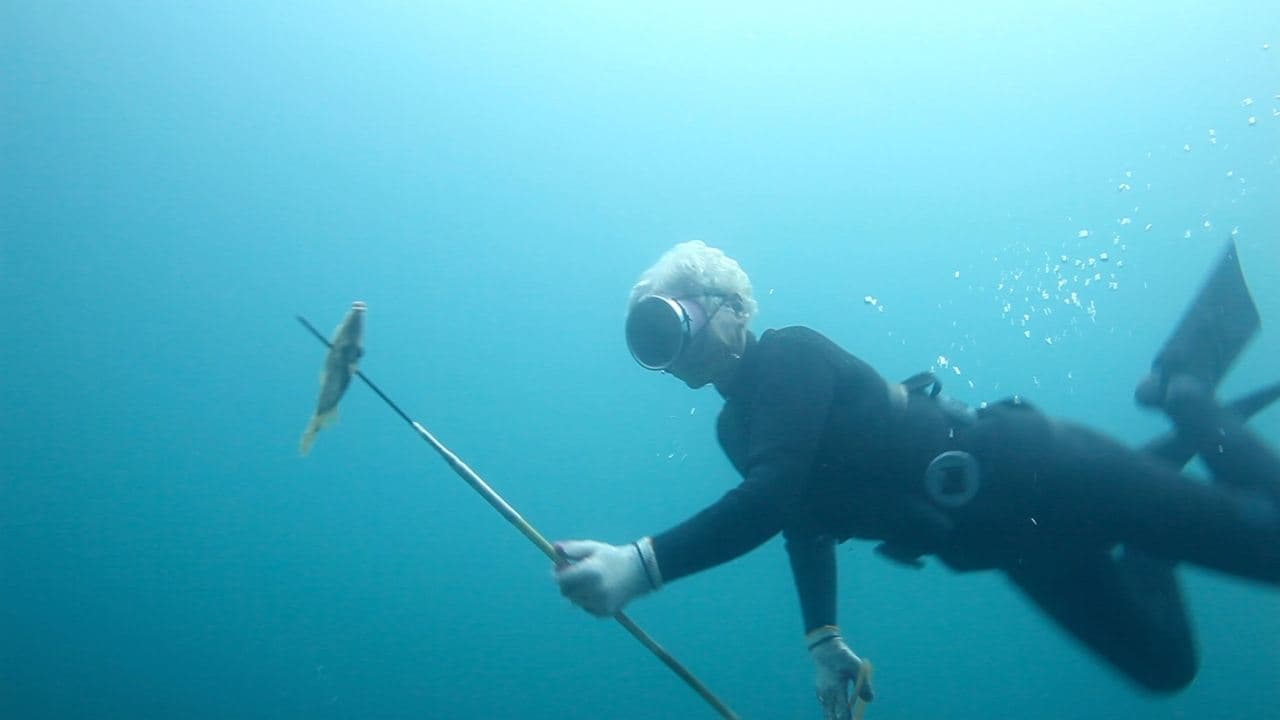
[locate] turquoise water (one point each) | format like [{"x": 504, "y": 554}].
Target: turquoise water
[{"x": 178, "y": 180}]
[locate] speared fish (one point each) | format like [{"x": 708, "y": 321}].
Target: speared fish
[{"x": 345, "y": 350}]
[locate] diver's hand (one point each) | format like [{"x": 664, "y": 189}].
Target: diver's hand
[
  {"x": 601, "y": 578},
  {"x": 838, "y": 670}
]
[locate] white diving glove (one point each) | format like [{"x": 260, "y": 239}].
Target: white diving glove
[
  {"x": 602, "y": 578},
  {"x": 838, "y": 669}
]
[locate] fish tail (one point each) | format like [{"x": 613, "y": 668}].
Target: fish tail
[
  {"x": 318, "y": 423},
  {"x": 308, "y": 438}
]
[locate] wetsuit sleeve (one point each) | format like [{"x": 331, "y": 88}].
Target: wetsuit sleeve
[
  {"x": 813, "y": 565},
  {"x": 734, "y": 525},
  {"x": 789, "y": 402}
]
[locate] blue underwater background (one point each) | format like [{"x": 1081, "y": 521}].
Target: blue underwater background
[{"x": 932, "y": 185}]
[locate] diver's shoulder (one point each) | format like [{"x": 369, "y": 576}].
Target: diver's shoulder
[
  {"x": 801, "y": 341},
  {"x": 796, "y": 341},
  {"x": 794, "y": 335}
]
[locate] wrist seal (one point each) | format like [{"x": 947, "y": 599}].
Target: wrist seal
[
  {"x": 821, "y": 635},
  {"x": 649, "y": 561}
]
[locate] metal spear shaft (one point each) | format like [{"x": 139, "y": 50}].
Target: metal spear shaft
[{"x": 495, "y": 500}]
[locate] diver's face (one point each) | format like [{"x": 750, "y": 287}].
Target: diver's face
[{"x": 712, "y": 354}]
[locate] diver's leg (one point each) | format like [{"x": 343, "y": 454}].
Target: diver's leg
[
  {"x": 1102, "y": 492},
  {"x": 1129, "y": 611},
  {"x": 1235, "y": 454},
  {"x": 1177, "y": 449}
]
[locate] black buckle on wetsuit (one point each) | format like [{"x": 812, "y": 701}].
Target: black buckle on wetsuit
[{"x": 923, "y": 383}]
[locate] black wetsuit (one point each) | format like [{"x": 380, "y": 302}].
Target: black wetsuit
[{"x": 1088, "y": 528}]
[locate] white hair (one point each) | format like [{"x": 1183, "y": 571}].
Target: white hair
[{"x": 692, "y": 269}]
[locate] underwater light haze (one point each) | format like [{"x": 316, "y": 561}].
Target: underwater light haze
[{"x": 1022, "y": 197}]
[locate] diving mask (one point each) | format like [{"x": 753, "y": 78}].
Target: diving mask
[{"x": 659, "y": 328}]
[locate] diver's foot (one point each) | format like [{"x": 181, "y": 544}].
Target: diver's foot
[
  {"x": 1188, "y": 401},
  {"x": 1161, "y": 390},
  {"x": 1151, "y": 390}
]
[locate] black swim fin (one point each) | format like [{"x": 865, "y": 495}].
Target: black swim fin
[
  {"x": 1177, "y": 449},
  {"x": 1220, "y": 322}
]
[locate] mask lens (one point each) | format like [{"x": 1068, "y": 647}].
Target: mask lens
[{"x": 658, "y": 329}]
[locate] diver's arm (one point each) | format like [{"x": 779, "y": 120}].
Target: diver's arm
[
  {"x": 790, "y": 407},
  {"x": 734, "y": 525},
  {"x": 813, "y": 566}
]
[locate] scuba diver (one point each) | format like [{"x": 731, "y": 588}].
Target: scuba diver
[{"x": 1089, "y": 529}]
